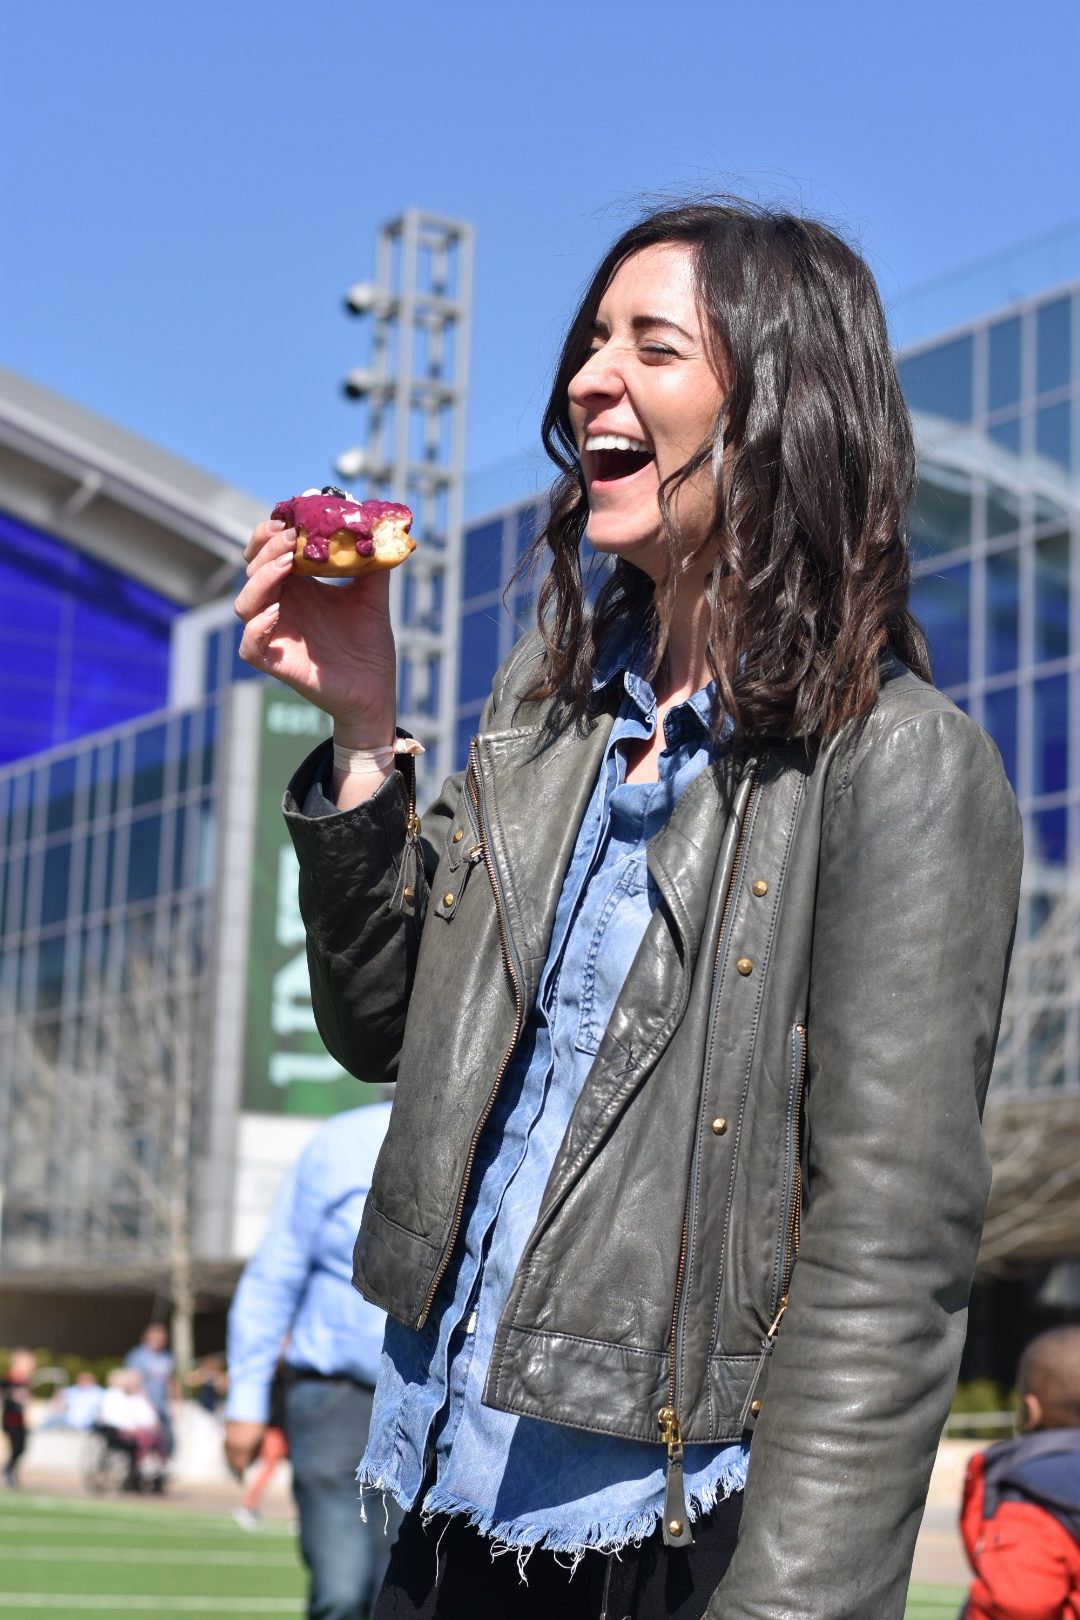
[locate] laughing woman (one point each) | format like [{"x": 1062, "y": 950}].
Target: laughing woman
[{"x": 690, "y": 983}]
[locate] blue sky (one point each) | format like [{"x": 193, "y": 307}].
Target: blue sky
[{"x": 189, "y": 189}]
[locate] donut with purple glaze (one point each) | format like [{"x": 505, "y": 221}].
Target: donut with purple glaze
[{"x": 339, "y": 538}]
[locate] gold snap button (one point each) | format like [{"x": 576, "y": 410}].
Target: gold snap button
[
  {"x": 459, "y": 833},
  {"x": 407, "y": 892},
  {"x": 675, "y": 1527},
  {"x": 755, "y": 1407},
  {"x": 719, "y": 1125},
  {"x": 448, "y": 898},
  {"x": 759, "y": 887},
  {"x": 744, "y": 965}
]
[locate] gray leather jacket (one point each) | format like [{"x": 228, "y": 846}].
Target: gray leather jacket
[{"x": 766, "y": 1211}]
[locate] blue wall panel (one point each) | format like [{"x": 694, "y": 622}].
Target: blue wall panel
[{"x": 81, "y": 645}]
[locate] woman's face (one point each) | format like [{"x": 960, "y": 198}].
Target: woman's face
[{"x": 643, "y": 403}]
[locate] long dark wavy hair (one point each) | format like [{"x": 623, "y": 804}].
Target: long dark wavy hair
[{"x": 813, "y": 467}]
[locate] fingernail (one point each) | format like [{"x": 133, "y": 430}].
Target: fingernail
[
  {"x": 276, "y": 524},
  {"x": 284, "y": 561}
]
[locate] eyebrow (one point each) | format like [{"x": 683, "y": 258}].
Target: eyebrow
[{"x": 642, "y": 323}]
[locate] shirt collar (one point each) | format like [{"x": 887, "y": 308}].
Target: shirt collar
[{"x": 624, "y": 655}]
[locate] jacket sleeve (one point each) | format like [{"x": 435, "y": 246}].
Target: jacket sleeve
[
  {"x": 363, "y": 932},
  {"x": 918, "y": 888}
]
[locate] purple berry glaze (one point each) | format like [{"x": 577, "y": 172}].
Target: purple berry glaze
[{"x": 323, "y": 515}]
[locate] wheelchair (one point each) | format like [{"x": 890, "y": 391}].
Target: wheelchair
[{"x": 109, "y": 1463}]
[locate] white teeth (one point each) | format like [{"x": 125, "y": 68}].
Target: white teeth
[{"x": 614, "y": 441}]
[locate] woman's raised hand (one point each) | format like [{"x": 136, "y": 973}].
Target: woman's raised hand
[{"x": 331, "y": 643}]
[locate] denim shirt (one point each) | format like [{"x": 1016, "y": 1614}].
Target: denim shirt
[{"x": 523, "y": 1481}]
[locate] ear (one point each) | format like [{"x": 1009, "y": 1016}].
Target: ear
[{"x": 1031, "y": 1414}]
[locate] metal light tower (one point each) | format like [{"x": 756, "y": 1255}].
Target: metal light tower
[{"x": 413, "y": 386}]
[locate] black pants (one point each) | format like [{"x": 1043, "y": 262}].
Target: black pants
[
  {"x": 446, "y": 1572},
  {"x": 17, "y": 1442}
]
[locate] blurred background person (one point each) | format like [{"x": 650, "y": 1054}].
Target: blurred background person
[
  {"x": 299, "y": 1283},
  {"x": 76, "y": 1406},
  {"x": 154, "y": 1362},
  {"x": 208, "y": 1382},
  {"x": 1021, "y": 1515},
  {"x": 133, "y": 1425},
  {"x": 15, "y": 1399},
  {"x": 274, "y": 1449}
]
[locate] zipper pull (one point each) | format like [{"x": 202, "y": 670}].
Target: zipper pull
[
  {"x": 751, "y": 1407},
  {"x": 409, "y": 891},
  {"x": 676, "y": 1526},
  {"x": 774, "y": 1330}
]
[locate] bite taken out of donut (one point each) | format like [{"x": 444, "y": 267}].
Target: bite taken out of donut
[{"x": 339, "y": 538}]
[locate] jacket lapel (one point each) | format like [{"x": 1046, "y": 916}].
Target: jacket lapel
[{"x": 534, "y": 788}]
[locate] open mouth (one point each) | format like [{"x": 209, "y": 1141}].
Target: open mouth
[{"x": 614, "y": 456}]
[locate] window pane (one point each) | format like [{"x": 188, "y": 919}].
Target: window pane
[
  {"x": 1053, "y": 433},
  {"x": 1002, "y": 511},
  {"x": 50, "y": 973},
  {"x": 54, "y": 888},
  {"x": 185, "y": 771},
  {"x": 999, "y": 709},
  {"x": 1052, "y": 597},
  {"x": 1047, "y": 510},
  {"x": 527, "y": 524},
  {"x": 204, "y": 848},
  {"x": 1053, "y": 339},
  {"x": 939, "y": 381},
  {"x": 940, "y": 602},
  {"x": 942, "y": 516},
  {"x": 1004, "y": 364},
  {"x": 1006, "y": 435},
  {"x": 1051, "y": 734},
  {"x": 211, "y": 723},
  {"x": 1051, "y": 834},
  {"x": 466, "y": 731},
  {"x": 1002, "y": 612},
  {"x": 61, "y": 809},
  {"x": 181, "y": 861},
  {"x": 483, "y": 560},
  {"x": 148, "y": 783},
  {"x": 145, "y": 839},
  {"x": 479, "y": 653}
]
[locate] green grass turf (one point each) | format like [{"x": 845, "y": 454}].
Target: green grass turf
[
  {"x": 934, "y": 1602},
  {"x": 75, "y": 1559}
]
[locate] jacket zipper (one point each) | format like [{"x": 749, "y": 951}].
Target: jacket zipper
[
  {"x": 676, "y": 1525},
  {"x": 795, "y": 1218},
  {"x": 519, "y": 1008},
  {"x": 791, "y": 1245}
]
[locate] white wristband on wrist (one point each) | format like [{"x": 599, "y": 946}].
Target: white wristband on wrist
[{"x": 366, "y": 761}]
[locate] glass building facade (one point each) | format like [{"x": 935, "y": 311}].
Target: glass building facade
[
  {"x": 493, "y": 548},
  {"x": 996, "y": 535},
  {"x": 82, "y": 646},
  {"x": 107, "y": 879}
]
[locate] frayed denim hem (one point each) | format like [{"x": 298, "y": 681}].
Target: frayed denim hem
[{"x": 523, "y": 1535}]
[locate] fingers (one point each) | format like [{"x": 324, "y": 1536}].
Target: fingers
[
  {"x": 267, "y": 573},
  {"x": 280, "y": 544},
  {"x": 258, "y": 633},
  {"x": 260, "y": 534}
]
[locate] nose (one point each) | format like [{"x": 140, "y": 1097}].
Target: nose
[{"x": 599, "y": 378}]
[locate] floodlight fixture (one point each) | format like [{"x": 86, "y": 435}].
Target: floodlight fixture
[{"x": 357, "y": 463}]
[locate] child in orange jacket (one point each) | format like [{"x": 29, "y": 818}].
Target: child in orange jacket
[{"x": 1021, "y": 1515}]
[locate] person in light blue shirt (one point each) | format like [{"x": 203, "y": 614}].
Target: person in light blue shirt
[{"x": 298, "y": 1286}]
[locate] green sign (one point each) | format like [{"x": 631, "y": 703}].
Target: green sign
[{"x": 287, "y": 1069}]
